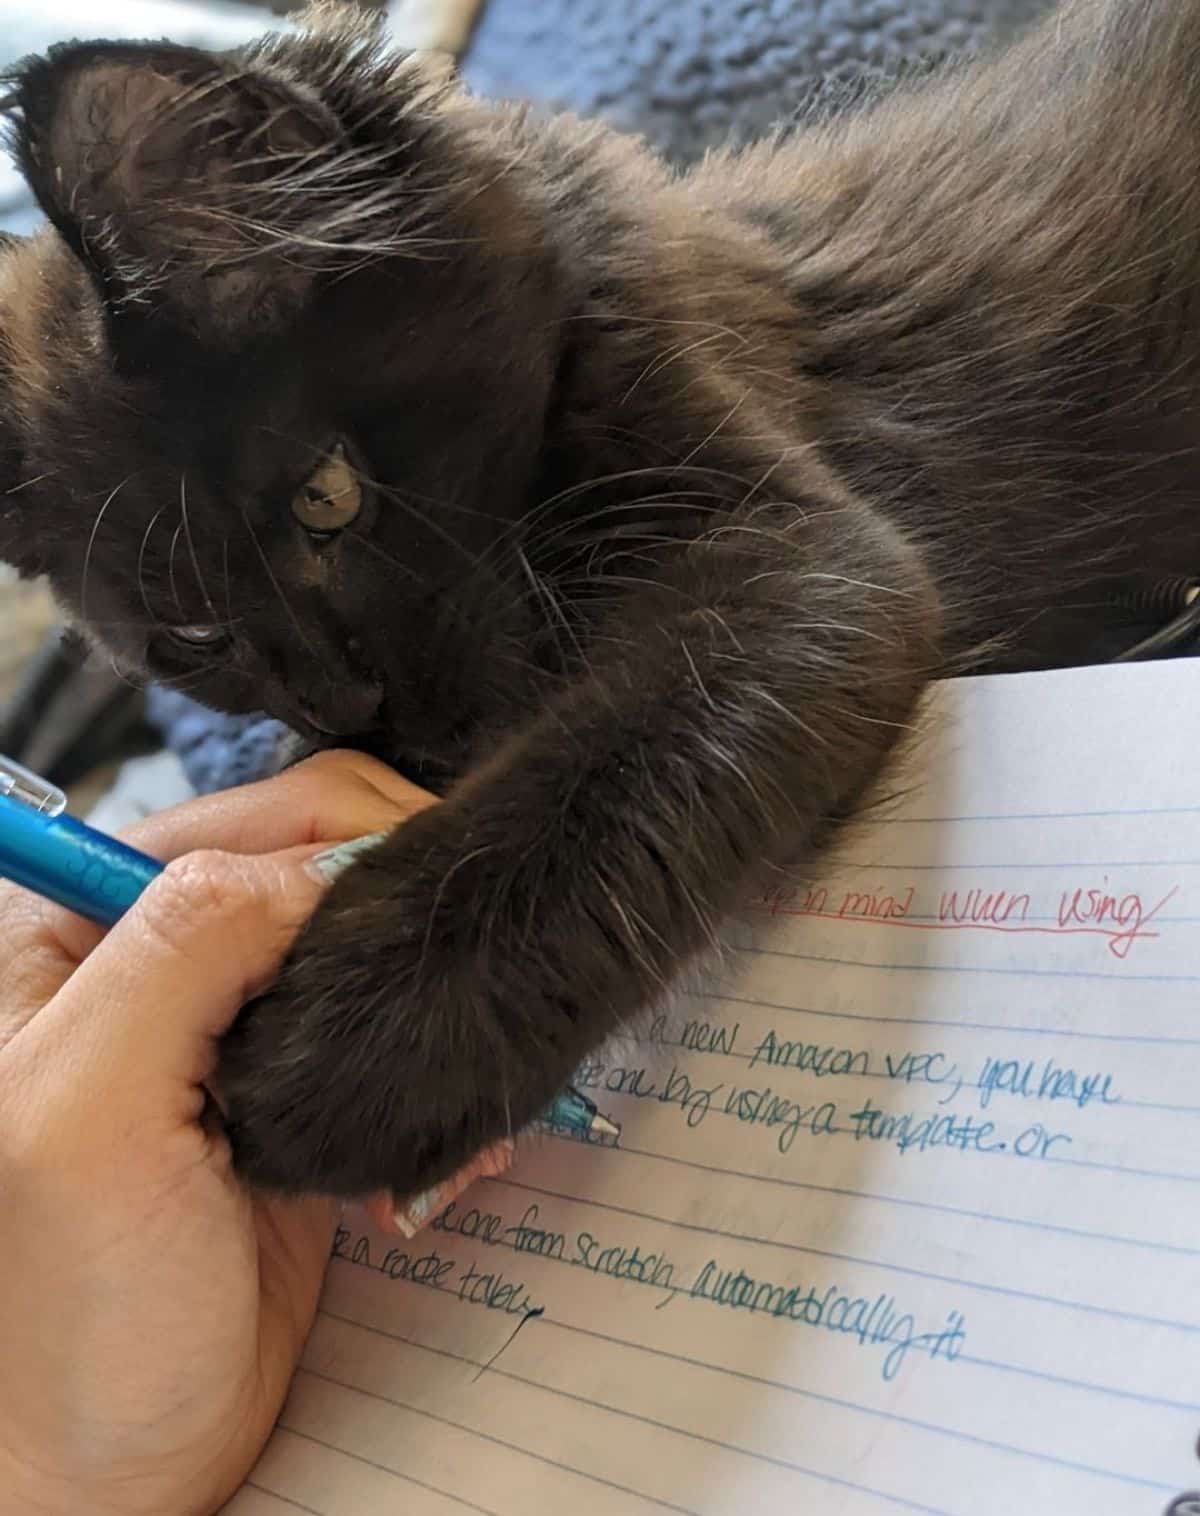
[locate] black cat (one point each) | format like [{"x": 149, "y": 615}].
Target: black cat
[{"x": 631, "y": 512}]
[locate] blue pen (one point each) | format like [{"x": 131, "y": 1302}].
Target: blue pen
[
  {"x": 98, "y": 877},
  {"x": 60, "y": 858},
  {"x": 578, "y": 1116}
]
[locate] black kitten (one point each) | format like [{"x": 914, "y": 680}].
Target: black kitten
[{"x": 632, "y": 512}]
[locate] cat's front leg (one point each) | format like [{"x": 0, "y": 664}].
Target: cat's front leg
[{"x": 457, "y": 975}]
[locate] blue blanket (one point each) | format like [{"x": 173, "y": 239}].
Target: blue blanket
[{"x": 697, "y": 73}]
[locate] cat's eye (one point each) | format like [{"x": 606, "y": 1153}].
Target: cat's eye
[
  {"x": 332, "y": 496},
  {"x": 199, "y": 636}
]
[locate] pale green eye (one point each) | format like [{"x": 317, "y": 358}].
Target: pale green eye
[{"x": 331, "y": 498}]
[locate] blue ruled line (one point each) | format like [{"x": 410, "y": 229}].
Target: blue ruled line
[
  {"x": 838, "y": 1402},
  {"x": 1008, "y": 1291},
  {"x": 500, "y": 1442},
  {"x": 1150, "y": 810},
  {"x": 945, "y": 968},
  {"x": 970, "y": 1026},
  {"x": 728, "y": 1447},
  {"x": 868, "y": 866},
  {"x": 383, "y": 1468},
  {"x": 1053, "y": 1228}
]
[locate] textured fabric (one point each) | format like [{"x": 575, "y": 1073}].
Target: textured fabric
[
  {"x": 692, "y": 74},
  {"x": 687, "y": 74},
  {"x": 216, "y": 751}
]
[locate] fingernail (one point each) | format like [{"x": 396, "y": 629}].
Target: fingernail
[
  {"x": 489, "y": 1164},
  {"x": 412, "y": 1217},
  {"x": 332, "y": 864}
]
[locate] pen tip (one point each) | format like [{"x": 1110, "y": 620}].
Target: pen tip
[{"x": 603, "y": 1127}]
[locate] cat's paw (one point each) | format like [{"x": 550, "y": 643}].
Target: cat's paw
[{"x": 418, "y": 1019}]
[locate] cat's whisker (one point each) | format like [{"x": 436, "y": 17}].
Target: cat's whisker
[
  {"x": 258, "y": 234},
  {"x": 278, "y": 588},
  {"x": 125, "y": 677},
  {"x": 543, "y": 590},
  {"x": 666, "y": 469},
  {"x": 225, "y": 571},
  {"x": 187, "y": 532},
  {"x": 404, "y": 499},
  {"x": 373, "y": 547},
  {"x": 717, "y": 430},
  {"x": 431, "y": 500},
  {"x": 28, "y": 483},
  {"x": 141, "y": 561},
  {"x": 686, "y": 501},
  {"x": 569, "y": 531},
  {"x": 476, "y": 560},
  {"x": 639, "y": 319},
  {"x": 87, "y": 556},
  {"x": 171, "y": 570},
  {"x": 437, "y": 502},
  {"x": 488, "y": 559},
  {"x": 662, "y": 361}
]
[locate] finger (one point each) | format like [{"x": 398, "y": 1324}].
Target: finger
[
  {"x": 144, "y": 1012},
  {"x": 41, "y": 946},
  {"x": 329, "y": 798}
]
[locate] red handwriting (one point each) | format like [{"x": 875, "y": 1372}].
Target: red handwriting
[
  {"x": 1120, "y": 919},
  {"x": 982, "y": 907},
  {"x": 856, "y": 905},
  {"x": 1127, "y": 914},
  {"x": 876, "y": 905}
]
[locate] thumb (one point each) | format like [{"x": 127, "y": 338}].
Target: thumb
[{"x": 151, "y": 1000}]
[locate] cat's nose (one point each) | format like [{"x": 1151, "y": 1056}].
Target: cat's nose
[{"x": 344, "y": 710}]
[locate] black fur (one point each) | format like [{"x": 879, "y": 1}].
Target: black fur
[{"x": 675, "y": 491}]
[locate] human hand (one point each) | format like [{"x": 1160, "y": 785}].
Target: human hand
[{"x": 151, "y": 1308}]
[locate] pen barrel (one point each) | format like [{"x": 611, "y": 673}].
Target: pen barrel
[{"x": 67, "y": 862}]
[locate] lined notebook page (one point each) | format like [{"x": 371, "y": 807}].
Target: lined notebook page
[{"x": 904, "y": 1216}]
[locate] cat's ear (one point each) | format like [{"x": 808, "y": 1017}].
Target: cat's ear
[{"x": 179, "y": 178}]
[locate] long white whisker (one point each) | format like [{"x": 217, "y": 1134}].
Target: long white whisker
[
  {"x": 141, "y": 582},
  {"x": 187, "y": 532},
  {"x": 26, "y": 483},
  {"x": 171, "y": 568},
  {"x": 87, "y": 557}
]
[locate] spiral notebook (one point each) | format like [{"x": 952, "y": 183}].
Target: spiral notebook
[{"x": 904, "y": 1216}]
